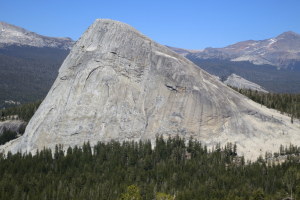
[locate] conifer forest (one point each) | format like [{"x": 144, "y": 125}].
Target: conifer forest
[{"x": 173, "y": 169}]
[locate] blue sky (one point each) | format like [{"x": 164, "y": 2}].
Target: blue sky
[{"x": 187, "y": 24}]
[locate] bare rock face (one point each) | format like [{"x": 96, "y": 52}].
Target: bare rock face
[
  {"x": 238, "y": 82},
  {"x": 12, "y": 125},
  {"x": 117, "y": 84}
]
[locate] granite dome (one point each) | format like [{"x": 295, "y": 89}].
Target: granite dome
[{"x": 117, "y": 84}]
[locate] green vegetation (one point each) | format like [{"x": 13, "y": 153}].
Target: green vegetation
[
  {"x": 7, "y": 136},
  {"x": 285, "y": 103},
  {"x": 132, "y": 193},
  {"x": 27, "y": 73},
  {"x": 174, "y": 169},
  {"x": 23, "y": 112}
]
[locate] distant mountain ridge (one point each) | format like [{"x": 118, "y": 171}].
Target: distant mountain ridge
[
  {"x": 14, "y": 35},
  {"x": 282, "y": 51},
  {"x": 29, "y": 63},
  {"x": 272, "y": 63}
]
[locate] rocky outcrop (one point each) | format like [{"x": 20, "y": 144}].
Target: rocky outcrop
[
  {"x": 117, "y": 84},
  {"x": 16, "y": 126},
  {"x": 238, "y": 82}
]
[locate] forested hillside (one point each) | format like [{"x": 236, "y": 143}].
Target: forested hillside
[
  {"x": 285, "y": 103},
  {"x": 174, "y": 169},
  {"x": 23, "y": 112},
  {"x": 27, "y": 73},
  {"x": 267, "y": 76}
]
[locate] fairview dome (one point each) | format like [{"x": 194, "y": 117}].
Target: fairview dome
[{"x": 117, "y": 84}]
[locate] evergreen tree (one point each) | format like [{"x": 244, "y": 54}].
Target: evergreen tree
[{"x": 132, "y": 193}]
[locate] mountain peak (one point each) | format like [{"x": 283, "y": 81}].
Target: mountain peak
[
  {"x": 110, "y": 25},
  {"x": 288, "y": 35},
  {"x": 111, "y": 21},
  {"x": 4, "y": 26}
]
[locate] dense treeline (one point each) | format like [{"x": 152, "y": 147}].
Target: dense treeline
[
  {"x": 285, "y": 103},
  {"x": 23, "y": 112},
  {"x": 173, "y": 169}
]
